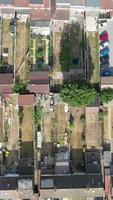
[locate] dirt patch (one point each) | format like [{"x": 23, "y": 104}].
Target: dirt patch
[
  {"x": 27, "y": 126},
  {"x": 47, "y": 122},
  {"x": 92, "y": 127},
  {"x": 60, "y": 124},
  {"x": 12, "y": 122},
  {"x": 7, "y": 40},
  {"x": 22, "y": 44},
  {"x": 78, "y": 128},
  {"x": 93, "y": 48}
]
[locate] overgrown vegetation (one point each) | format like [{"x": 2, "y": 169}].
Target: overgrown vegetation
[
  {"x": 20, "y": 87},
  {"x": 21, "y": 115},
  {"x": 38, "y": 114},
  {"x": 106, "y": 95},
  {"x": 6, "y": 133},
  {"x": 82, "y": 118},
  {"x": 70, "y": 46},
  {"x": 78, "y": 95}
]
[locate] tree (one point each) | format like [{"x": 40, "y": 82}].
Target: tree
[
  {"x": 20, "y": 87},
  {"x": 106, "y": 95},
  {"x": 78, "y": 95},
  {"x": 38, "y": 114}
]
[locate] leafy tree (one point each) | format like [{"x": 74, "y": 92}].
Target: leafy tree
[
  {"x": 106, "y": 95},
  {"x": 38, "y": 114},
  {"x": 20, "y": 87},
  {"x": 78, "y": 95}
]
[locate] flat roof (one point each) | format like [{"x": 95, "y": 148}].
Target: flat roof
[
  {"x": 6, "y": 2},
  {"x": 75, "y": 181},
  {"x": 95, "y": 3},
  {"x": 71, "y": 2},
  {"x": 40, "y": 23},
  {"x": 36, "y": 1}
]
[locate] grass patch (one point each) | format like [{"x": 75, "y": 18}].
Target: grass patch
[{"x": 93, "y": 57}]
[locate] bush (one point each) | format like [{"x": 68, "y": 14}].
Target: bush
[
  {"x": 106, "y": 95},
  {"x": 38, "y": 114},
  {"x": 78, "y": 95},
  {"x": 20, "y": 87}
]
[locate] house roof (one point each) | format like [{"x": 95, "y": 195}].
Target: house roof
[
  {"x": 8, "y": 183},
  {"x": 6, "y": 2},
  {"x": 44, "y": 14},
  {"x": 75, "y": 181},
  {"x": 36, "y": 1},
  {"x": 39, "y": 82},
  {"x": 26, "y": 100},
  {"x": 72, "y": 2},
  {"x": 95, "y": 3},
  {"x": 40, "y": 88},
  {"x": 21, "y": 3},
  {"x": 6, "y": 78},
  {"x": 62, "y": 14},
  {"x": 107, "y": 80},
  {"x": 40, "y": 23},
  {"x": 38, "y": 77},
  {"x": 6, "y": 88},
  {"x": 11, "y": 183},
  {"x": 106, "y": 4}
]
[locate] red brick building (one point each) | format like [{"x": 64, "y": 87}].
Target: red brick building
[{"x": 38, "y": 9}]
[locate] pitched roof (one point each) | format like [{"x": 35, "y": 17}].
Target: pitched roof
[
  {"x": 26, "y": 100},
  {"x": 6, "y": 88},
  {"x": 40, "y": 88},
  {"x": 106, "y": 4},
  {"x": 21, "y": 3},
  {"x": 39, "y": 82},
  {"x": 107, "y": 80},
  {"x": 38, "y": 77},
  {"x": 6, "y": 78},
  {"x": 62, "y": 14},
  {"x": 44, "y": 14}
]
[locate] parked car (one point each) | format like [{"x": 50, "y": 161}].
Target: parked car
[
  {"x": 106, "y": 65},
  {"x": 104, "y": 52},
  {"x": 105, "y": 58},
  {"x": 104, "y": 36},
  {"x": 104, "y": 44},
  {"x": 106, "y": 73},
  {"x": 104, "y": 62}
]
